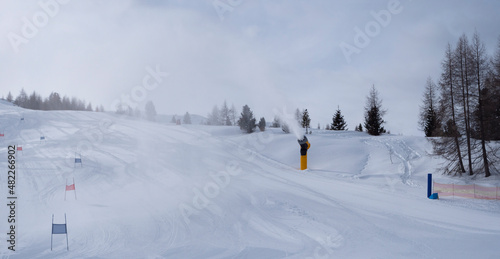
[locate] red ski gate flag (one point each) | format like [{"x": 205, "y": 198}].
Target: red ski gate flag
[
  {"x": 70, "y": 187},
  {"x": 19, "y": 148}
]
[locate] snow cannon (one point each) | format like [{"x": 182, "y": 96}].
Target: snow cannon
[{"x": 304, "y": 146}]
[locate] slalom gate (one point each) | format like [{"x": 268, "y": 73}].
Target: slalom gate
[
  {"x": 471, "y": 191},
  {"x": 70, "y": 187},
  {"x": 78, "y": 159},
  {"x": 59, "y": 229}
]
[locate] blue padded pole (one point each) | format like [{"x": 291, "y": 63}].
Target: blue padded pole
[{"x": 429, "y": 185}]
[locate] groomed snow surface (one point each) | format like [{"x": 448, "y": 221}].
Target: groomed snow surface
[{"x": 151, "y": 190}]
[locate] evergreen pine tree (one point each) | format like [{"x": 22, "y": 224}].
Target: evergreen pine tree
[
  {"x": 374, "y": 121},
  {"x": 224, "y": 115},
  {"x": 306, "y": 121},
  {"x": 429, "y": 121},
  {"x": 374, "y": 113},
  {"x": 247, "y": 121},
  {"x": 34, "y": 102},
  {"x": 55, "y": 102},
  {"x": 262, "y": 124},
  {"x": 214, "y": 117},
  {"x": 9, "y": 97},
  {"x": 66, "y": 103},
  {"x": 21, "y": 99},
  {"x": 232, "y": 114},
  {"x": 338, "y": 121},
  {"x": 187, "y": 118},
  {"x": 228, "y": 121},
  {"x": 359, "y": 128}
]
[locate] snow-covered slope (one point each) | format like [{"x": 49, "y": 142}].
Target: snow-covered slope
[{"x": 148, "y": 190}]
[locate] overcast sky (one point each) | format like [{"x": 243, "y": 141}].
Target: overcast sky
[{"x": 270, "y": 55}]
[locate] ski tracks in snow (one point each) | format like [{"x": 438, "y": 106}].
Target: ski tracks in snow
[
  {"x": 400, "y": 150},
  {"x": 406, "y": 154}
]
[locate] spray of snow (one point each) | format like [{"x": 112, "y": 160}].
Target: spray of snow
[{"x": 288, "y": 118}]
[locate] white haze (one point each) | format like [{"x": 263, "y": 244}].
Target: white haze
[{"x": 266, "y": 54}]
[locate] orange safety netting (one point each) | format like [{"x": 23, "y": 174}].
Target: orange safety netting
[{"x": 472, "y": 191}]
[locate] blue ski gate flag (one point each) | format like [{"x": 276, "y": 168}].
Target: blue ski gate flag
[
  {"x": 78, "y": 160},
  {"x": 59, "y": 229}
]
